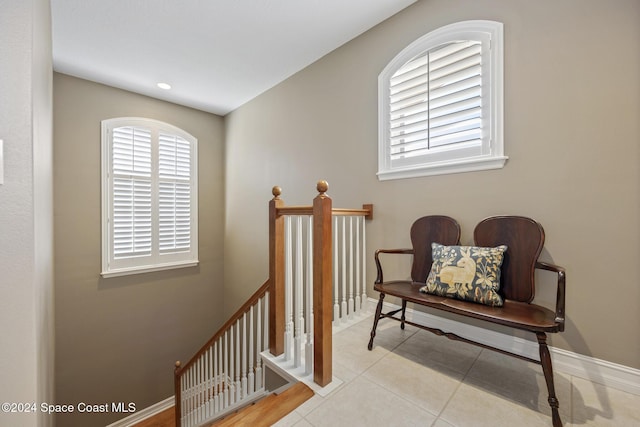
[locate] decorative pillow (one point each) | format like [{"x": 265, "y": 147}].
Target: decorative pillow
[{"x": 466, "y": 272}]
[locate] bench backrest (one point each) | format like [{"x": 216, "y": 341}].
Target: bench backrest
[
  {"x": 435, "y": 228},
  {"x": 524, "y": 238}
]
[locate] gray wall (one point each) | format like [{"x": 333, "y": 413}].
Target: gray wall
[
  {"x": 117, "y": 339},
  {"x": 26, "y": 209},
  {"x": 572, "y": 102}
]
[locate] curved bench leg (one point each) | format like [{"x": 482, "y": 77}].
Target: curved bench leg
[
  {"x": 547, "y": 369},
  {"x": 375, "y": 321},
  {"x": 402, "y": 318}
]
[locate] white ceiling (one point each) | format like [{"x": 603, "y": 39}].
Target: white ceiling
[{"x": 216, "y": 54}]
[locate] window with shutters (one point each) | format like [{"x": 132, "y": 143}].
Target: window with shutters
[
  {"x": 149, "y": 197},
  {"x": 440, "y": 103}
]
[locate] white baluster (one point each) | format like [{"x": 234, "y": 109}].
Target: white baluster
[
  {"x": 207, "y": 385},
  {"x": 197, "y": 389},
  {"x": 265, "y": 336},
  {"x": 205, "y": 393},
  {"x": 288, "y": 292},
  {"x": 343, "y": 313},
  {"x": 194, "y": 395},
  {"x": 194, "y": 391},
  {"x": 245, "y": 356},
  {"x": 206, "y": 376},
  {"x": 216, "y": 392},
  {"x": 224, "y": 351},
  {"x": 364, "y": 266},
  {"x": 192, "y": 387},
  {"x": 183, "y": 394},
  {"x": 199, "y": 398},
  {"x": 209, "y": 382},
  {"x": 191, "y": 395},
  {"x": 336, "y": 291},
  {"x": 308, "y": 356},
  {"x": 203, "y": 386},
  {"x": 237, "y": 382},
  {"x": 185, "y": 398},
  {"x": 298, "y": 290},
  {"x": 259, "y": 333},
  {"x": 232, "y": 368},
  {"x": 251, "y": 377},
  {"x": 351, "y": 302},
  {"x": 223, "y": 372},
  {"x": 358, "y": 260},
  {"x": 214, "y": 363},
  {"x": 208, "y": 394}
]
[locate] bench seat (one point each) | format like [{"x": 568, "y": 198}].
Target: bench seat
[
  {"x": 518, "y": 315},
  {"x": 524, "y": 240}
]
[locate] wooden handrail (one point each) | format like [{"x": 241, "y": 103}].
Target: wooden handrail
[
  {"x": 295, "y": 210},
  {"x": 366, "y": 211}
]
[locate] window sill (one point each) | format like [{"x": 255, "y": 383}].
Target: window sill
[
  {"x": 441, "y": 168},
  {"x": 147, "y": 269}
]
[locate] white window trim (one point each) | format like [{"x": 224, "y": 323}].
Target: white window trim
[
  {"x": 467, "y": 30},
  {"x": 157, "y": 263}
]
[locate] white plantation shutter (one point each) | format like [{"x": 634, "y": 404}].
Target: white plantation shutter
[
  {"x": 174, "y": 193},
  {"x": 131, "y": 217},
  {"x": 440, "y": 103},
  {"x": 149, "y": 197},
  {"x": 436, "y": 100}
]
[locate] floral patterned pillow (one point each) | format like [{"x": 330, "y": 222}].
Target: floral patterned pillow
[{"x": 466, "y": 272}]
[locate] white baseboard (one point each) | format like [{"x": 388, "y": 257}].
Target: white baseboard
[
  {"x": 144, "y": 413},
  {"x": 599, "y": 371}
]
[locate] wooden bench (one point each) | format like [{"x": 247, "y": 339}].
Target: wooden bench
[{"x": 524, "y": 238}]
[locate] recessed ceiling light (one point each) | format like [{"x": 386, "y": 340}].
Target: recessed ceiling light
[{"x": 165, "y": 86}]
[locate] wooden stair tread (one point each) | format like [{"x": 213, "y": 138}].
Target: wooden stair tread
[
  {"x": 269, "y": 410},
  {"x": 166, "y": 418}
]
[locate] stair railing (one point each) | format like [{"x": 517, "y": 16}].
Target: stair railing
[
  {"x": 290, "y": 315},
  {"x": 349, "y": 255},
  {"x": 306, "y": 295},
  {"x": 227, "y": 372}
]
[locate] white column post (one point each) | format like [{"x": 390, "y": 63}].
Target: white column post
[{"x": 288, "y": 292}]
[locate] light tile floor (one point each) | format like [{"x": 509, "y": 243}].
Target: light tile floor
[{"x": 415, "y": 378}]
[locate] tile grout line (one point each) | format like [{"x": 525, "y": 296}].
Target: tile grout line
[
  {"x": 437, "y": 416},
  {"x": 444, "y": 407},
  {"x": 358, "y": 375}
]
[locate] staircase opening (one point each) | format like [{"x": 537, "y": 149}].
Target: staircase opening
[{"x": 317, "y": 276}]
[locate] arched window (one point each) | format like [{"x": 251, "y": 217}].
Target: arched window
[
  {"x": 440, "y": 103},
  {"x": 149, "y": 197}
]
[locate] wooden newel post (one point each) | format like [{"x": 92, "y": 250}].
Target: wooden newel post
[
  {"x": 322, "y": 289},
  {"x": 276, "y": 274}
]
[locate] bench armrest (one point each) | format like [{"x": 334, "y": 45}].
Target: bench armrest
[
  {"x": 380, "y": 279},
  {"x": 561, "y": 289}
]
